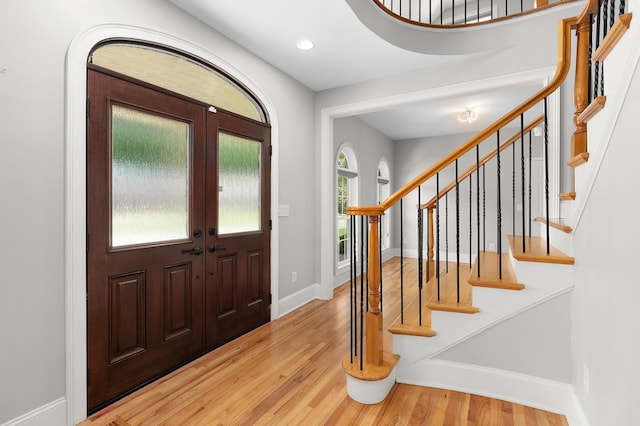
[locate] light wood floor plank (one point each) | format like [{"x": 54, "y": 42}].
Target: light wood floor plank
[{"x": 288, "y": 372}]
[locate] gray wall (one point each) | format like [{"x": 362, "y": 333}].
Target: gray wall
[
  {"x": 369, "y": 147},
  {"x": 413, "y": 156},
  {"x": 34, "y": 38},
  {"x": 606, "y": 317}
]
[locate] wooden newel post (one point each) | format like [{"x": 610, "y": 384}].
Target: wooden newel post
[
  {"x": 374, "y": 315},
  {"x": 581, "y": 90}
]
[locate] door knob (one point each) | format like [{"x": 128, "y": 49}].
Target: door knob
[
  {"x": 196, "y": 251},
  {"x": 213, "y": 248},
  {"x": 197, "y": 233}
]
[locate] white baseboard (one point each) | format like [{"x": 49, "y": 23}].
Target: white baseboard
[
  {"x": 302, "y": 297},
  {"x": 575, "y": 415},
  {"x": 51, "y": 414},
  {"x": 509, "y": 386}
]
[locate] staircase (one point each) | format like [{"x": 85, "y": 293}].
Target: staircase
[{"x": 489, "y": 259}]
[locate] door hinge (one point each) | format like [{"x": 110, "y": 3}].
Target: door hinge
[
  {"x": 270, "y": 150},
  {"x": 88, "y": 106},
  {"x": 270, "y": 298},
  {"x": 270, "y": 225},
  {"x": 88, "y": 243},
  {"x": 88, "y": 376}
]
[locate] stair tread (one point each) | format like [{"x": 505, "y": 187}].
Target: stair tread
[
  {"x": 568, "y": 196},
  {"x": 557, "y": 223},
  {"x": 448, "y": 291},
  {"x": 490, "y": 272},
  {"x": 536, "y": 251}
]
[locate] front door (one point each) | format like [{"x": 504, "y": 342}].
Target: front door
[
  {"x": 238, "y": 160},
  {"x": 177, "y": 239}
]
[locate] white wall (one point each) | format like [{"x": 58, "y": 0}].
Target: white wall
[
  {"x": 34, "y": 38},
  {"x": 606, "y": 316}
]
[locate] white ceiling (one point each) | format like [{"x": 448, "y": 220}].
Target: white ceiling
[{"x": 346, "y": 52}]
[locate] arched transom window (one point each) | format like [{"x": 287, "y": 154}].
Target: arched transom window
[{"x": 346, "y": 194}]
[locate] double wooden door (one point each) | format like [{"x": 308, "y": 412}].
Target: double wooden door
[{"x": 177, "y": 232}]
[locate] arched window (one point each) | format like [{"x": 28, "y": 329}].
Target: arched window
[
  {"x": 178, "y": 73},
  {"x": 384, "y": 190},
  {"x": 346, "y": 195}
]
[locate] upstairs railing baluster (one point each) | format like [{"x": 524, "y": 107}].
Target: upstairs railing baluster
[{"x": 484, "y": 209}]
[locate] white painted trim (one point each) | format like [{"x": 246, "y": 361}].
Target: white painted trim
[
  {"x": 575, "y": 414},
  {"x": 53, "y": 413},
  {"x": 298, "y": 299},
  {"x": 370, "y": 391},
  {"x": 514, "y": 387},
  {"x": 75, "y": 185},
  {"x": 328, "y": 114}
]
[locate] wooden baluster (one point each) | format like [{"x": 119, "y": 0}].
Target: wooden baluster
[
  {"x": 581, "y": 90},
  {"x": 374, "y": 316}
]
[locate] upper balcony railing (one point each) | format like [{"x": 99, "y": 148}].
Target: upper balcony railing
[{"x": 454, "y": 13}]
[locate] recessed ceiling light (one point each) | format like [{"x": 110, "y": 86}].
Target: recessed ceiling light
[{"x": 305, "y": 45}]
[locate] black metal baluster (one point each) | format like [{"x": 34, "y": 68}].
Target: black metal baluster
[
  {"x": 612, "y": 13},
  {"x": 470, "y": 218},
  {"x": 446, "y": 232},
  {"x": 596, "y": 77},
  {"x": 452, "y": 13},
  {"x": 465, "y": 11},
  {"x": 491, "y": 6},
  {"x": 506, "y": 7},
  {"x": 484, "y": 210},
  {"x": 590, "y": 96},
  {"x": 457, "y": 234},
  {"x": 546, "y": 170},
  {"x": 401, "y": 264},
  {"x": 352, "y": 274},
  {"x": 513, "y": 188},
  {"x": 622, "y": 7},
  {"x": 478, "y": 10},
  {"x": 362, "y": 254},
  {"x": 438, "y": 231},
  {"x": 380, "y": 258},
  {"x": 420, "y": 248},
  {"x": 441, "y": 12},
  {"x": 522, "y": 183},
  {"x": 530, "y": 153},
  {"x": 365, "y": 237},
  {"x": 499, "y": 208},
  {"x": 605, "y": 19},
  {"x": 430, "y": 13},
  {"x": 478, "y": 205}
]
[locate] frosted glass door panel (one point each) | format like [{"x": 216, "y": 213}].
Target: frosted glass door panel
[
  {"x": 239, "y": 184},
  {"x": 149, "y": 178}
]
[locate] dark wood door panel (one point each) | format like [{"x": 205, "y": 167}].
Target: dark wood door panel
[{"x": 145, "y": 308}]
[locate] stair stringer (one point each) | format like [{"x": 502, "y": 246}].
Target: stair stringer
[
  {"x": 620, "y": 67},
  {"x": 418, "y": 364}
]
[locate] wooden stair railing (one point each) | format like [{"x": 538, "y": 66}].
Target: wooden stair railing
[
  {"x": 452, "y": 14},
  {"x": 367, "y": 360}
]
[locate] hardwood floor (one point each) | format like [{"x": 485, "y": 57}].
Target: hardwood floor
[{"x": 289, "y": 372}]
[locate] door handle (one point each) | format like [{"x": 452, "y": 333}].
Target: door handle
[
  {"x": 196, "y": 251},
  {"x": 213, "y": 248}
]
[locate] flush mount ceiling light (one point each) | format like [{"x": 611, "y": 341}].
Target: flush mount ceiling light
[
  {"x": 469, "y": 115},
  {"x": 305, "y": 45}
]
